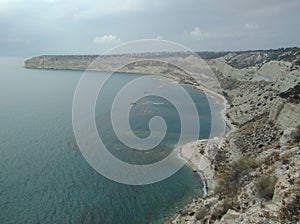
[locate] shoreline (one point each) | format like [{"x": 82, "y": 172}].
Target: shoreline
[
  {"x": 191, "y": 152},
  {"x": 192, "y": 162}
]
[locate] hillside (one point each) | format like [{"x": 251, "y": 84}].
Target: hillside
[{"x": 254, "y": 176}]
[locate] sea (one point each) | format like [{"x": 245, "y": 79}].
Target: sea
[{"x": 44, "y": 178}]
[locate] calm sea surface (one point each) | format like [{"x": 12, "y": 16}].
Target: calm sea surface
[{"x": 43, "y": 176}]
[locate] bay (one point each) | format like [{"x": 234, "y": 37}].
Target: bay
[{"x": 43, "y": 176}]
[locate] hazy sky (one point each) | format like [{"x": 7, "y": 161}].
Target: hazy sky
[{"x": 32, "y": 27}]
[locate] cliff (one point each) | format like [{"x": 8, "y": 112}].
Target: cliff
[
  {"x": 256, "y": 172},
  {"x": 144, "y": 63}
]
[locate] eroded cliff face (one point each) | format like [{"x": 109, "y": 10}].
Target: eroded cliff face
[{"x": 258, "y": 167}]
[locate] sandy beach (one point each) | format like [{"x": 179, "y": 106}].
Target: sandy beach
[{"x": 197, "y": 155}]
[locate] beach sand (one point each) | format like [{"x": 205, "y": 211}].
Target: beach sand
[{"x": 197, "y": 154}]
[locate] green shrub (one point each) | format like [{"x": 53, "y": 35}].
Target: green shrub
[
  {"x": 201, "y": 213},
  {"x": 231, "y": 178},
  {"x": 285, "y": 158},
  {"x": 265, "y": 186}
]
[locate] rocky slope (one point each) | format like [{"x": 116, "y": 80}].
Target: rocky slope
[{"x": 257, "y": 169}]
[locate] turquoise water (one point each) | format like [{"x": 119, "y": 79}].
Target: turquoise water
[{"x": 43, "y": 176}]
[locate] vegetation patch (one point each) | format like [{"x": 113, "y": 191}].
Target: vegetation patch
[
  {"x": 232, "y": 177},
  {"x": 201, "y": 213},
  {"x": 265, "y": 186}
]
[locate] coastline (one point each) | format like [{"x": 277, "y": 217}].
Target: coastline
[
  {"x": 197, "y": 153},
  {"x": 193, "y": 160},
  {"x": 259, "y": 123}
]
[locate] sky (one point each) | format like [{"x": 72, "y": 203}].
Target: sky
[{"x": 33, "y": 27}]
